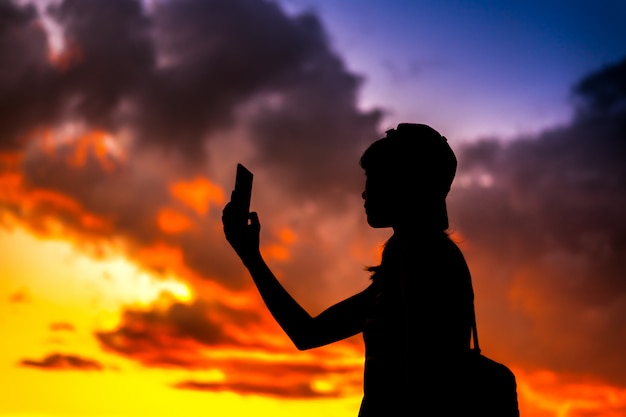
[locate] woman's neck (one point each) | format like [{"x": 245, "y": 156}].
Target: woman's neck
[{"x": 412, "y": 230}]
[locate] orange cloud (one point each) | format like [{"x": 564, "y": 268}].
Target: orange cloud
[
  {"x": 290, "y": 374},
  {"x": 62, "y": 326},
  {"x": 77, "y": 148},
  {"x": 173, "y": 222},
  {"x": 287, "y": 235},
  {"x": 270, "y": 387},
  {"x": 43, "y": 206},
  {"x": 59, "y": 361},
  {"x": 21, "y": 296},
  {"x": 280, "y": 251},
  {"x": 175, "y": 335},
  {"x": 198, "y": 194},
  {"x": 275, "y": 252},
  {"x": 241, "y": 343},
  {"x": 546, "y": 393},
  {"x": 161, "y": 255},
  {"x": 11, "y": 161},
  {"x": 98, "y": 144}
]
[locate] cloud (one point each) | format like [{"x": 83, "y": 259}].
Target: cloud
[
  {"x": 543, "y": 219},
  {"x": 186, "y": 71},
  {"x": 149, "y": 98},
  {"x": 294, "y": 377},
  {"x": 62, "y": 362},
  {"x": 263, "y": 388},
  {"x": 137, "y": 153},
  {"x": 130, "y": 135},
  {"x": 545, "y": 393},
  {"x": 243, "y": 346},
  {"x": 21, "y": 296},
  {"x": 62, "y": 326},
  {"x": 177, "y": 334},
  {"x": 24, "y": 102}
]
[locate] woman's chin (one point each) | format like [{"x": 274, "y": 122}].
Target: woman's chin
[{"x": 377, "y": 223}]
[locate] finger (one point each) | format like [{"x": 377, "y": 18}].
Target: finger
[
  {"x": 226, "y": 211},
  {"x": 254, "y": 220},
  {"x": 229, "y": 209}
]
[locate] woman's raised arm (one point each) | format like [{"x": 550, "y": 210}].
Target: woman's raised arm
[{"x": 342, "y": 320}]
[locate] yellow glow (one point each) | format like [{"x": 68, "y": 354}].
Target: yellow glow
[
  {"x": 46, "y": 281},
  {"x": 54, "y": 270},
  {"x": 322, "y": 386},
  {"x": 51, "y": 282}
]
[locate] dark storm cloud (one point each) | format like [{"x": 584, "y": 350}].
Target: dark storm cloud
[
  {"x": 59, "y": 361},
  {"x": 25, "y": 103},
  {"x": 549, "y": 219},
  {"x": 175, "y": 74},
  {"x": 301, "y": 100},
  {"x": 114, "y": 57},
  {"x": 603, "y": 92},
  {"x": 313, "y": 135},
  {"x": 172, "y": 78},
  {"x": 215, "y": 56},
  {"x": 175, "y": 336}
]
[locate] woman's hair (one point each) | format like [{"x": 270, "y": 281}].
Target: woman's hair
[{"x": 415, "y": 154}]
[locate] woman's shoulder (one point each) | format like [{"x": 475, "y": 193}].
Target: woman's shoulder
[
  {"x": 429, "y": 247},
  {"x": 420, "y": 256},
  {"x": 439, "y": 259}
]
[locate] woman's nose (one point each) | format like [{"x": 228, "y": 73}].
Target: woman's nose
[{"x": 363, "y": 195}]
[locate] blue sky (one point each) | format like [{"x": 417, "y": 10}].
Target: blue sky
[{"x": 472, "y": 68}]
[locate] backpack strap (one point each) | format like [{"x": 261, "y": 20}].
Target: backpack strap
[{"x": 476, "y": 346}]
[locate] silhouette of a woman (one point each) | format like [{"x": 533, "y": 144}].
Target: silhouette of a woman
[{"x": 416, "y": 314}]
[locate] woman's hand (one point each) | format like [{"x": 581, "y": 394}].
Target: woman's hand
[{"x": 242, "y": 231}]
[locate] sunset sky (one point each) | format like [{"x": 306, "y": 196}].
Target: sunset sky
[{"x": 121, "y": 123}]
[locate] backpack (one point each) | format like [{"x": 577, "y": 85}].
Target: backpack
[{"x": 491, "y": 387}]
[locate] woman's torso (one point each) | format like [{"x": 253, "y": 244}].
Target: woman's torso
[{"x": 419, "y": 324}]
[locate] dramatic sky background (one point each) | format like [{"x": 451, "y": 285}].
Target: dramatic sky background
[{"x": 120, "y": 126}]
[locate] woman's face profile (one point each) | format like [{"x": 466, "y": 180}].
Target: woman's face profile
[{"x": 379, "y": 199}]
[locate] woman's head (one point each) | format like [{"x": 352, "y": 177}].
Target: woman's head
[{"x": 409, "y": 173}]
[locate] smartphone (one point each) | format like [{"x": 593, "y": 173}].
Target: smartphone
[{"x": 243, "y": 188}]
